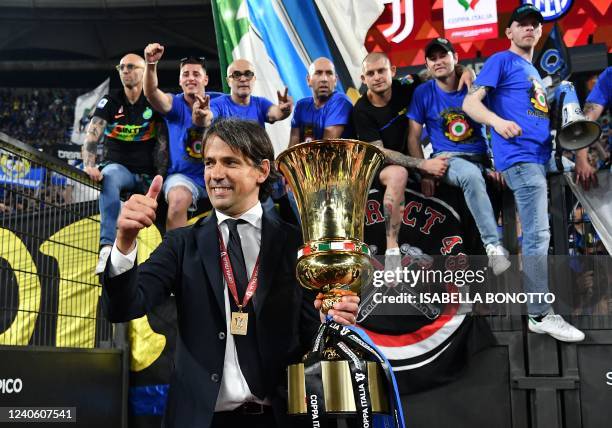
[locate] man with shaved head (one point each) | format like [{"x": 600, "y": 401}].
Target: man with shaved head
[
  {"x": 327, "y": 114},
  {"x": 240, "y": 103},
  {"x": 130, "y": 130}
]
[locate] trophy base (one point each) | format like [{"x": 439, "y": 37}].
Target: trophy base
[{"x": 337, "y": 388}]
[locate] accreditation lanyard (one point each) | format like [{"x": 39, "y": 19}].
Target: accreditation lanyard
[{"x": 228, "y": 273}]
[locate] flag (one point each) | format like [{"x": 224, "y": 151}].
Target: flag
[
  {"x": 84, "y": 107},
  {"x": 554, "y": 59},
  {"x": 348, "y": 22},
  {"x": 15, "y": 170},
  {"x": 260, "y": 32},
  {"x": 282, "y": 37}
]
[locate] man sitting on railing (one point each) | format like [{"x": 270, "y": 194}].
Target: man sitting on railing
[{"x": 130, "y": 127}]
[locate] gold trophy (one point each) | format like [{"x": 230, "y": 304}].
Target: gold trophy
[{"x": 330, "y": 180}]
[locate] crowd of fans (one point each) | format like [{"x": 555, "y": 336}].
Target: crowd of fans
[
  {"x": 19, "y": 199},
  {"x": 38, "y": 117}
]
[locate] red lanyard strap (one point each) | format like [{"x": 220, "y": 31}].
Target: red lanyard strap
[{"x": 228, "y": 273}]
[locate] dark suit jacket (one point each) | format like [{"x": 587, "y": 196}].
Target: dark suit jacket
[{"x": 187, "y": 264}]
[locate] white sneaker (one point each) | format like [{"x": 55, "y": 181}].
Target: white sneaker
[
  {"x": 393, "y": 263},
  {"x": 104, "y": 254},
  {"x": 557, "y": 327},
  {"x": 498, "y": 258}
]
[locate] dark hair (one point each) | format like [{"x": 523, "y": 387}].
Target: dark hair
[
  {"x": 200, "y": 60},
  {"x": 250, "y": 139}
]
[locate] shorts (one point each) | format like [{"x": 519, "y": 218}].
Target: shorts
[{"x": 197, "y": 191}]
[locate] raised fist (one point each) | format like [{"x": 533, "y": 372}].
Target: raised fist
[{"x": 153, "y": 52}]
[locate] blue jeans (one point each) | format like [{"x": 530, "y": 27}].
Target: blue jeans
[
  {"x": 528, "y": 182},
  {"x": 117, "y": 179},
  {"x": 468, "y": 177}
]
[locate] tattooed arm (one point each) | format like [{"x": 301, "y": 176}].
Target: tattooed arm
[
  {"x": 436, "y": 167},
  {"x": 95, "y": 129},
  {"x": 592, "y": 111},
  {"x": 586, "y": 175}
]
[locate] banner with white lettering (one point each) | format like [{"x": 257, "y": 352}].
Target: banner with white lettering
[{"x": 469, "y": 20}]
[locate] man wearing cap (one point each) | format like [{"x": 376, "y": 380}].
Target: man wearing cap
[
  {"x": 380, "y": 118},
  {"x": 518, "y": 115},
  {"x": 437, "y": 105},
  {"x": 327, "y": 114},
  {"x": 184, "y": 184},
  {"x": 240, "y": 103}
]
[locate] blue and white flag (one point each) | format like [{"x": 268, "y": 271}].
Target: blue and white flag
[
  {"x": 554, "y": 59},
  {"x": 19, "y": 171}
]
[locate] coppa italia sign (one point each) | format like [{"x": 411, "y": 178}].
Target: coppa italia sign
[
  {"x": 468, "y": 20},
  {"x": 464, "y": 20}
]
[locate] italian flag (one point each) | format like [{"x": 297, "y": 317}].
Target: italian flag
[{"x": 238, "y": 38}]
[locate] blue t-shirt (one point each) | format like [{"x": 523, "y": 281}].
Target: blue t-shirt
[
  {"x": 312, "y": 121},
  {"x": 517, "y": 93},
  {"x": 185, "y": 140},
  {"x": 449, "y": 128},
  {"x": 257, "y": 110},
  {"x": 602, "y": 91}
]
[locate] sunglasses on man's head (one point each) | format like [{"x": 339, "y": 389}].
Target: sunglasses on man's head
[
  {"x": 194, "y": 60},
  {"x": 130, "y": 67},
  {"x": 238, "y": 74}
]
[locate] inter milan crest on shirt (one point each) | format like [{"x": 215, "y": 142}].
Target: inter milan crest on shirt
[
  {"x": 147, "y": 114},
  {"x": 537, "y": 96},
  {"x": 456, "y": 125},
  {"x": 193, "y": 144}
]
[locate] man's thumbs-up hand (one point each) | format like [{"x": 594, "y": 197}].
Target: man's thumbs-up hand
[{"x": 137, "y": 213}]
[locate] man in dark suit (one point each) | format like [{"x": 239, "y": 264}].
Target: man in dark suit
[{"x": 231, "y": 349}]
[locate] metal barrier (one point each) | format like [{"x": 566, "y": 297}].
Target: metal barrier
[{"x": 49, "y": 227}]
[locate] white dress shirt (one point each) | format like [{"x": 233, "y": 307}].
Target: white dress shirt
[{"x": 234, "y": 389}]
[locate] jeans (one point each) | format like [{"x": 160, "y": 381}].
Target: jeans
[
  {"x": 117, "y": 179},
  {"x": 468, "y": 176},
  {"x": 528, "y": 183}
]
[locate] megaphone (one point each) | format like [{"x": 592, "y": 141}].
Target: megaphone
[{"x": 575, "y": 131}]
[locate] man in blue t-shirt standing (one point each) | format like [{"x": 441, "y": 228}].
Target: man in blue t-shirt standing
[
  {"x": 240, "y": 103},
  {"x": 437, "y": 105},
  {"x": 517, "y": 112},
  {"x": 327, "y": 114},
  {"x": 185, "y": 182}
]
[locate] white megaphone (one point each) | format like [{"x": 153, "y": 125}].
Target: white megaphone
[{"x": 575, "y": 131}]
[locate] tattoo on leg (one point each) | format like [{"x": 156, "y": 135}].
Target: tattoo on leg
[{"x": 387, "y": 210}]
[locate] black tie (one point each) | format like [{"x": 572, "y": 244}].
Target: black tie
[
  {"x": 246, "y": 346},
  {"x": 234, "y": 249}
]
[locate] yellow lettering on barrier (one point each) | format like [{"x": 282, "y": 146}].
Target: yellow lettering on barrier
[
  {"x": 75, "y": 247},
  {"x": 20, "y": 260},
  {"x": 145, "y": 344}
]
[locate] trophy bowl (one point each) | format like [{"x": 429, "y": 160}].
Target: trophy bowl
[{"x": 330, "y": 180}]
